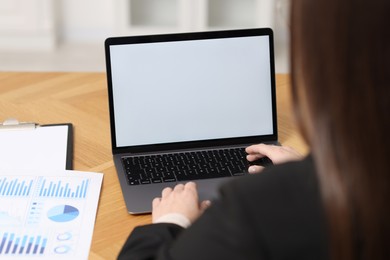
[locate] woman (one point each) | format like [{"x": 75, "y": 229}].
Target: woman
[{"x": 333, "y": 204}]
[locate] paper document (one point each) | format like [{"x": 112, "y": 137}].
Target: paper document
[
  {"x": 47, "y": 215},
  {"x": 41, "y": 148}
]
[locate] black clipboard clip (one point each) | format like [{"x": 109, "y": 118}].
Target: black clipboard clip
[{"x": 14, "y": 124}]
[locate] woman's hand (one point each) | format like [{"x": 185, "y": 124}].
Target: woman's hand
[
  {"x": 183, "y": 199},
  {"x": 277, "y": 154}
]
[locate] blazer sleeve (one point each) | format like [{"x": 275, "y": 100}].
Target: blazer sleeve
[{"x": 146, "y": 242}]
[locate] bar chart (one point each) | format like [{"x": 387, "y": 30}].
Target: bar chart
[
  {"x": 13, "y": 244},
  {"x": 60, "y": 189},
  {"x": 14, "y": 187}
]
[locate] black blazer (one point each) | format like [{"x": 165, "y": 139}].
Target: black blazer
[{"x": 276, "y": 214}]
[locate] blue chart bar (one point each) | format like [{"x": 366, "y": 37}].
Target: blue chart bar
[
  {"x": 10, "y": 244},
  {"x": 59, "y": 189},
  {"x": 15, "y": 187}
]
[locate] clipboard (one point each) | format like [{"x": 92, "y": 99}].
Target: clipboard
[{"x": 30, "y": 146}]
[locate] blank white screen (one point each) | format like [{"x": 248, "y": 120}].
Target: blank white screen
[{"x": 191, "y": 90}]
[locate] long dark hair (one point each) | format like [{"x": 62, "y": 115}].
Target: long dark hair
[{"x": 341, "y": 87}]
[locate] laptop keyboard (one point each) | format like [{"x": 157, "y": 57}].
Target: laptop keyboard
[{"x": 185, "y": 166}]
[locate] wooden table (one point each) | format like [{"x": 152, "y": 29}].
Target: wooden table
[{"x": 81, "y": 98}]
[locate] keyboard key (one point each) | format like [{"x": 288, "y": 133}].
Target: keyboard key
[
  {"x": 157, "y": 175},
  {"x": 156, "y": 180},
  {"x": 169, "y": 179},
  {"x": 133, "y": 182},
  {"x": 238, "y": 173},
  {"x": 145, "y": 181}
]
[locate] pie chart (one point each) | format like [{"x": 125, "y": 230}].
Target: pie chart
[{"x": 63, "y": 213}]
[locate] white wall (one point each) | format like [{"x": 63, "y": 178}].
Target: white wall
[
  {"x": 27, "y": 25},
  {"x": 90, "y": 21},
  {"x": 74, "y": 40},
  {"x": 85, "y": 21}
]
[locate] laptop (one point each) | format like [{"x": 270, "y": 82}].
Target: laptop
[{"x": 184, "y": 106}]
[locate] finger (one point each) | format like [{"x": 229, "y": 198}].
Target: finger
[
  {"x": 259, "y": 148},
  {"x": 262, "y": 149},
  {"x": 166, "y": 191},
  {"x": 156, "y": 202},
  {"x": 252, "y": 148},
  {"x": 204, "y": 205},
  {"x": 190, "y": 185},
  {"x": 255, "y": 169},
  {"x": 254, "y": 157},
  {"x": 192, "y": 189},
  {"x": 179, "y": 187}
]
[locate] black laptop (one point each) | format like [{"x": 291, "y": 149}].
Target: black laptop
[{"x": 183, "y": 107}]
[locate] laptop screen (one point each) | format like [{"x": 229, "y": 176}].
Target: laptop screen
[{"x": 191, "y": 90}]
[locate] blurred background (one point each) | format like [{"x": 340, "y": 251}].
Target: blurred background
[{"x": 68, "y": 35}]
